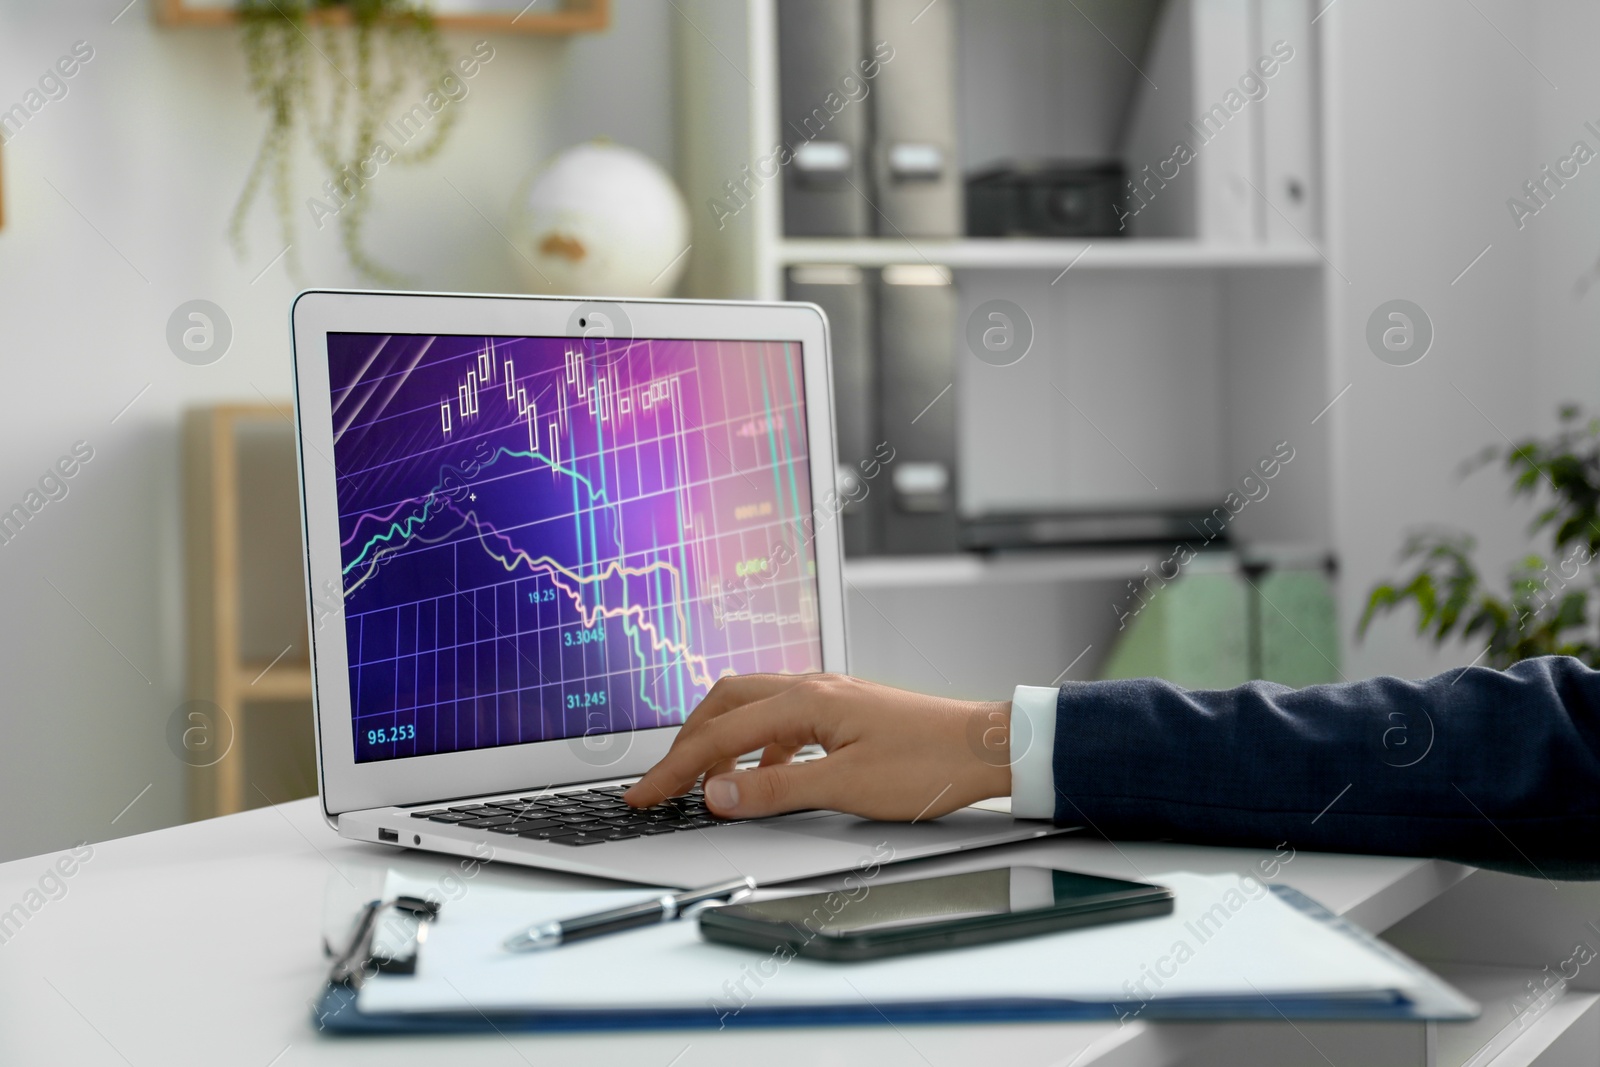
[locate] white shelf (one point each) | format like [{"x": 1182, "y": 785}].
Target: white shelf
[
  {"x": 1499, "y": 1037},
  {"x": 908, "y": 572},
  {"x": 1110, "y": 253}
]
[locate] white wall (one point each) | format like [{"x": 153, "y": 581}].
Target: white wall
[
  {"x": 1566, "y": 234},
  {"x": 145, "y": 155},
  {"x": 1434, "y": 119}
]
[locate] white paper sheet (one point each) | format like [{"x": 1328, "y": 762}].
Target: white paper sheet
[{"x": 1226, "y": 936}]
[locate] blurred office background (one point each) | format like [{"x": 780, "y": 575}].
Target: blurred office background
[{"x": 1183, "y": 330}]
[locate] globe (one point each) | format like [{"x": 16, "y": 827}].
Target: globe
[{"x": 601, "y": 219}]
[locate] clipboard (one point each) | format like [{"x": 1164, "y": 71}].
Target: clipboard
[{"x": 1425, "y": 997}]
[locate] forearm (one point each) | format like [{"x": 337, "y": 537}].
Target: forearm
[{"x": 1484, "y": 766}]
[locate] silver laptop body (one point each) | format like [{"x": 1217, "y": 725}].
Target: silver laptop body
[{"x": 536, "y": 531}]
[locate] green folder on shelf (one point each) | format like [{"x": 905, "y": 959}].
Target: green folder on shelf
[{"x": 1221, "y": 623}]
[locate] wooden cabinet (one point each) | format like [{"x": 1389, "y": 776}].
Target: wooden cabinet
[{"x": 249, "y": 674}]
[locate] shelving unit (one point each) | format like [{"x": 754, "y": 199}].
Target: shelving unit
[
  {"x": 1164, "y": 366},
  {"x": 730, "y": 86},
  {"x": 971, "y": 569},
  {"x": 977, "y": 253}
]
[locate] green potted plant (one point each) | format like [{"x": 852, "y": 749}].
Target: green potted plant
[
  {"x": 1546, "y": 609},
  {"x": 334, "y": 71}
]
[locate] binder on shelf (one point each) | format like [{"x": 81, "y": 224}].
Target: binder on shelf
[
  {"x": 1229, "y": 206},
  {"x": 845, "y": 295},
  {"x": 917, "y": 407},
  {"x": 1193, "y": 148},
  {"x": 824, "y": 118},
  {"x": 1288, "y": 180},
  {"x": 917, "y": 186}
]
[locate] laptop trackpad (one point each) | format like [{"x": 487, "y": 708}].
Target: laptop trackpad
[{"x": 958, "y": 826}]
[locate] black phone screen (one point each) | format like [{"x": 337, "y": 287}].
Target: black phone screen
[{"x": 942, "y": 911}]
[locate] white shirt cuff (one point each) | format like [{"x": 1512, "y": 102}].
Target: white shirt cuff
[{"x": 1033, "y": 746}]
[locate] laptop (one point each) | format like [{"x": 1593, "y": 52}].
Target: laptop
[{"x": 537, "y": 530}]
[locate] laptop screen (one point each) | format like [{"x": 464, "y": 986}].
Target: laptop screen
[{"x": 547, "y": 538}]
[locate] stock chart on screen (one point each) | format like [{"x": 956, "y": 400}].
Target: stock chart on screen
[{"x": 546, "y": 538}]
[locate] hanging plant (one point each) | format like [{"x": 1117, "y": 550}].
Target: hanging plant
[{"x": 338, "y": 82}]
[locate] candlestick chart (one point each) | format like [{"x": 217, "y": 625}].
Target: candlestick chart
[{"x": 544, "y": 538}]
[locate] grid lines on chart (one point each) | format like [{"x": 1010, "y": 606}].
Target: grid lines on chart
[{"x": 542, "y": 537}]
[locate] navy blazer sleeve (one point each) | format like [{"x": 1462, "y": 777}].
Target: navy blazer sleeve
[{"x": 1494, "y": 768}]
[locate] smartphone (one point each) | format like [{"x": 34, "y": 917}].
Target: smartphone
[{"x": 949, "y": 911}]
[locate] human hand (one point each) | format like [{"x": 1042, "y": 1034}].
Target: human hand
[{"x": 891, "y": 754}]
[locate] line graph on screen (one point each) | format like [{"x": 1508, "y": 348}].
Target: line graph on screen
[{"x": 546, "y": 538}]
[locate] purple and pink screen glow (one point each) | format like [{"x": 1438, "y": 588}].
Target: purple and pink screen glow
[{"x": 550, "y": 538}]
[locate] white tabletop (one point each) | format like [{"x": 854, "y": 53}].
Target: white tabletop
[{"x": 201, "y": 944}]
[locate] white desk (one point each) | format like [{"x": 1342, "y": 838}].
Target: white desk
[{"x": 201, "y": 945}]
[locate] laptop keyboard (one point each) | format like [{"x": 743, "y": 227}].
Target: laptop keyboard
[{"x": 587, "y": 817}]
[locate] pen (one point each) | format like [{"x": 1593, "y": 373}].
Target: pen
[{"x": 646, "y": 913}]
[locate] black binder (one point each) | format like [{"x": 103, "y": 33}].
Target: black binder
[
  {"x": 845, "y": 294},
  {"x": 917, "y": 406},
  {"x": 823, "y": 115},
  {"x": 916, "y": 171}
]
